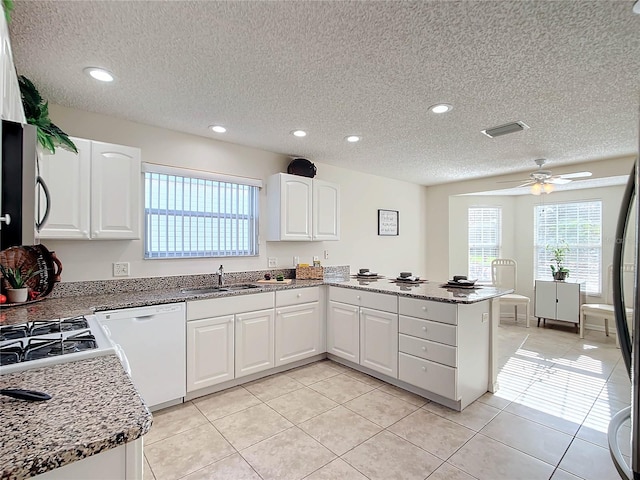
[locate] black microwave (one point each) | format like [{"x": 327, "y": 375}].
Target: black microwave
[{"x": 21, "y": 186}]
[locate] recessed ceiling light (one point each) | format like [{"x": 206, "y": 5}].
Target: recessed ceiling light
[
  {"x": 441, "y": 108},
  {"x": 299, "y": 133},
  {"x": 99, "y": 74},
  {"x": 353, "y": 138},
  {"x": 218, "y": 128}
]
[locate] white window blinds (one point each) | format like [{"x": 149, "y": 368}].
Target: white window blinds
[
  {"x": 484, "y": 240},
  {"x": 578, "y": 224},
  {"x": 186, "y": 216}
]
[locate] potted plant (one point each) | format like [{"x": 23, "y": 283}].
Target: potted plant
[
  {"x": 18, "y": 291},
  {"x": 36, "y": 111},
  {"x": 559, "y": 252}
]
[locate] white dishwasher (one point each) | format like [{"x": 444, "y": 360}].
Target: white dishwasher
[{"x": 154, "y": 342}]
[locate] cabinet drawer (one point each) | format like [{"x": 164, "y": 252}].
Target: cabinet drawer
[
  {"x": 434, "y": 331},
  {"x": 377, "y": 301},
  {"x": 296, "y": 296},
  {"x": 216, "y": 307},
  {"x": 437, "y": 311},
  {"x": 436, "y": 352},
  {"x": 431, "y": 376}
]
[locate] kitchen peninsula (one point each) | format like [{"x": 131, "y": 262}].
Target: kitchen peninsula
[{"x": 437, "y": 342}]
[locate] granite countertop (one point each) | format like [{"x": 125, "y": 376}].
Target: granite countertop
[
  {"x": 94, "y": 407},
  {"x": 431, "y": 290},
  {"x": 52, "y": 308}
]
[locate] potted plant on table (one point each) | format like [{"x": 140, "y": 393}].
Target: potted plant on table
[
  {"x": 559, "y": 252},
  {"x": 18, "y": 291}
]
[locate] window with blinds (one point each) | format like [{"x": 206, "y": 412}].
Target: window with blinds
[
  {"x": 579, "y": 224},
  {"x": 484, "y": 240},
  {"x": 199, "y": 217}
]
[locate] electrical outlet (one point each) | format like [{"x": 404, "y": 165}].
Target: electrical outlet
[
  {"x": 485, "y": 317},
  {"x": 296, "y": 261},
  {"x": 316, "y": 258},
  {"x": 121, "y": 269},
  {"x": 273, "y": 262},
  {"x": 326, "y": 254}
]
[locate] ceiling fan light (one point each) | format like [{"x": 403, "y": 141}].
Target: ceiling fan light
[
  {"x": 548, "y": 187},
  {"x": 536, "y": 189}
]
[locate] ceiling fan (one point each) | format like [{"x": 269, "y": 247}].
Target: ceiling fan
[{"x": 543, "y": 181}]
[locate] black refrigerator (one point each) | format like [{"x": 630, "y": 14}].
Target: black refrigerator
[
  {"x": 21, "y": 187},
  {"x": 627, "y": 230}
]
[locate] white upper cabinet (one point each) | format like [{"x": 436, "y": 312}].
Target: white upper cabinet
[
  {"x": 302, "y": 209},
  {"x": 94, "y": 194},
  {"x": 68, "y": 176},
  {"x": 11, "y": 105},
  {"x": 326, "y": 211},
  {"x": 115, "y": 191}
]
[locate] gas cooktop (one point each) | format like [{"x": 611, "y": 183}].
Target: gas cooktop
[{"x": 42, "y": 343}]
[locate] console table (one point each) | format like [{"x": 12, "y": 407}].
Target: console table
[{"x": 559, "y": 301}]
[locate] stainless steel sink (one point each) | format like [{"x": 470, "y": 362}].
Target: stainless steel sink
[
  {"x": 226, "y": 288},
  {"x": 203, "y": 290},
  {"x": 244, "y": 286}
]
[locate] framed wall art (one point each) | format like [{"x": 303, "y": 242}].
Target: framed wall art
[{"x": 388, "y": 222}]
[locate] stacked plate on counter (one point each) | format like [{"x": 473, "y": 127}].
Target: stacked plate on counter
[{"x": 461, "y": 282}]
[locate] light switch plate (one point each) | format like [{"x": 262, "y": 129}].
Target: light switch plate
[{"x": 273, "y": 262}]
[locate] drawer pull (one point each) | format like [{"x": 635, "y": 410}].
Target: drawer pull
[
  {"x": 424, "y": 369},
  {"x": 424, "y": 349},
  {"x": 358, "y": 297},
  {"x": 279, "y": 313},
  {"x": 424, "y": 308},
  {"x": 299, "y": 295},
  {"x": 424, "y": 329}
]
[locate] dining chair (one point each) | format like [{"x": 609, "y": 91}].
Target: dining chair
[
  {"x": 503, "y": 275},
  {"x": 605, "y": 311}
]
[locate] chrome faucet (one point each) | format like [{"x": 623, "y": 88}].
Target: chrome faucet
[{"x": 220, "y": 276}]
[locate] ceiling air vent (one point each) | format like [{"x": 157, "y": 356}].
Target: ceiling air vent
[{"x": 505, "y": 129}]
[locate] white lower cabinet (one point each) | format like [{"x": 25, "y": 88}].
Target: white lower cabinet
[
  {"x": 210, "y": 352},
  {"x": 123, "y": 462},
  {"x": 254, "y": 342},
  {"x": 298, "y": 333},
  {"x": 444, "y": 348},
  {"x": 379, "y": 341},
  {"x": 343, "y": 331},
  {"x": 363, "y": 327}
]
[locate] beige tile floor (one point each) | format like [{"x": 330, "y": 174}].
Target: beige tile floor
[{"x": 325, "y": 421}]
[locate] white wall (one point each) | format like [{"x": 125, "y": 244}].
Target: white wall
[{"x": 361, "y": 196}]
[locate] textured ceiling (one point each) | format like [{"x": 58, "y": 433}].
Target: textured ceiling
[{"x": 568, "y": 69}]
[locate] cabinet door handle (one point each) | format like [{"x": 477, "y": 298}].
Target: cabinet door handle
[
  {"x": 279, "y": 313},
  {"x": 239, "y": 319}
]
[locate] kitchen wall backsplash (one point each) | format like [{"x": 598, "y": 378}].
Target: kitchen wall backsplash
[{"x": 97, "y": 287}]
